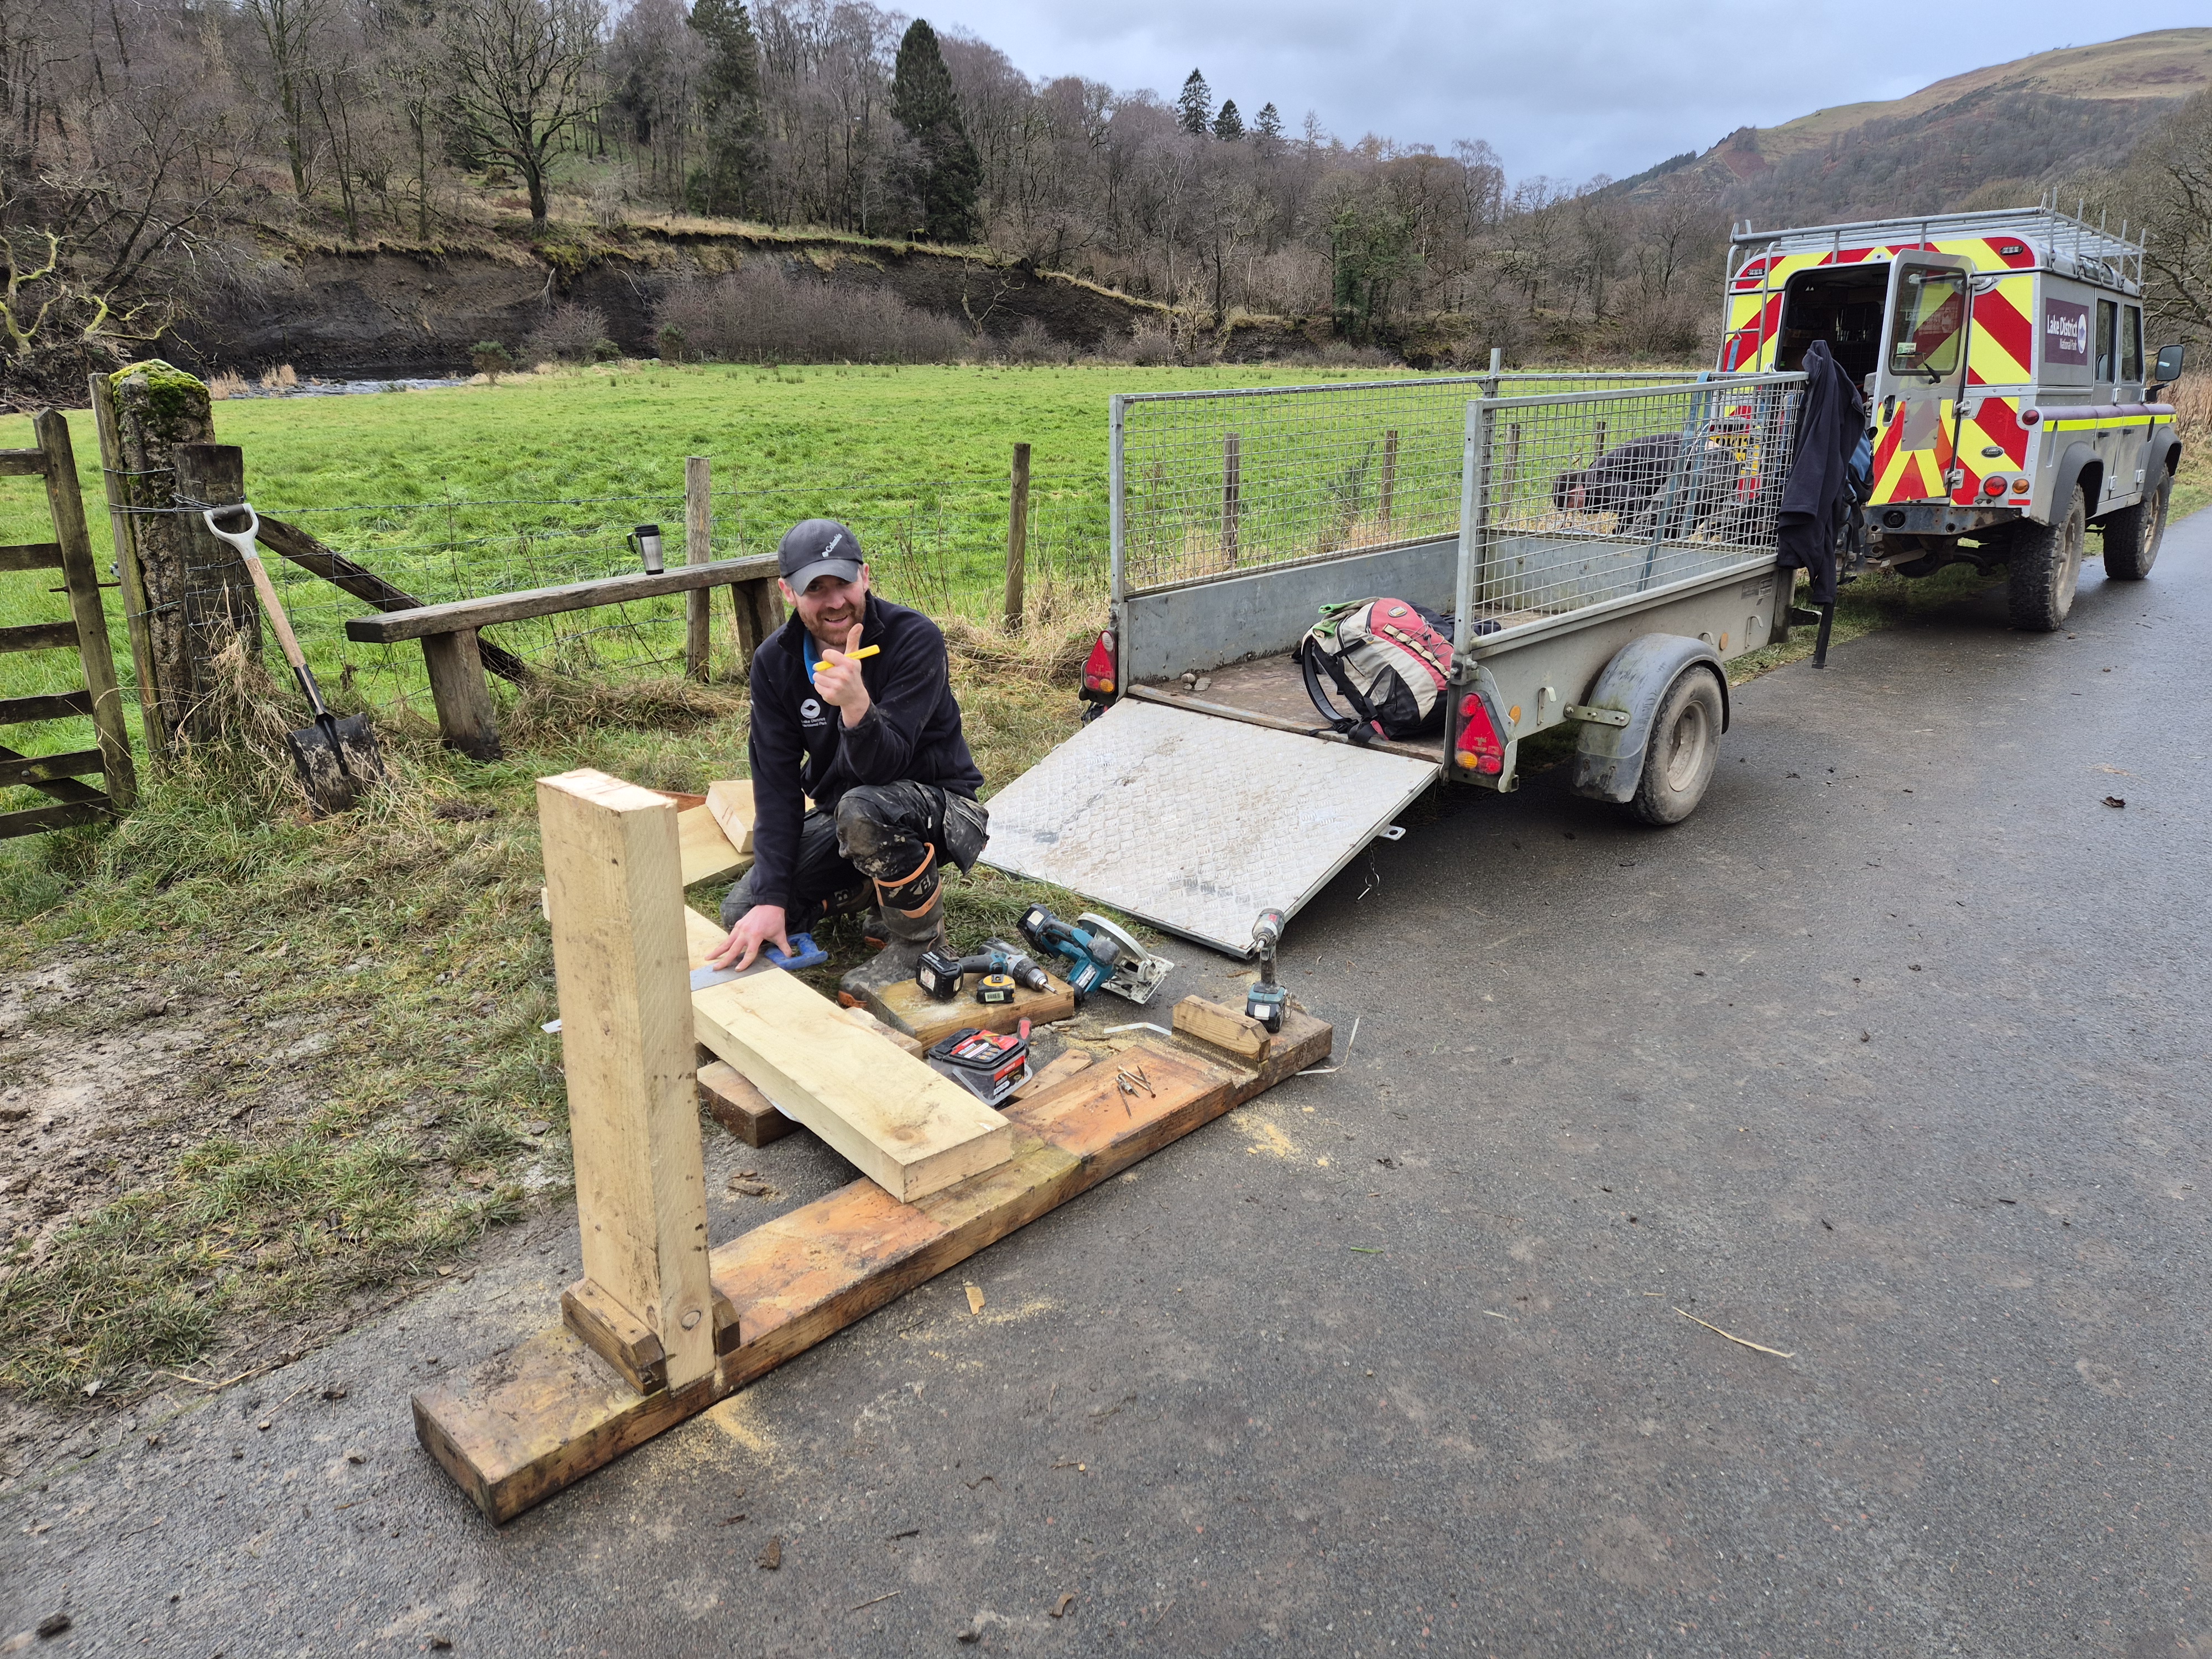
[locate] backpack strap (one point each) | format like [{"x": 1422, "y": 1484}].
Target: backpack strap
[{"x": 1310, "y": 648}]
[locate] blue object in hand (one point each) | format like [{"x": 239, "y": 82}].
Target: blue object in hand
[{"x": 805, "y": 953}]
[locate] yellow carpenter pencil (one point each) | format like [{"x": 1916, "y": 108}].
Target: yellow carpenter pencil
[{"x": 850, "y": 656}]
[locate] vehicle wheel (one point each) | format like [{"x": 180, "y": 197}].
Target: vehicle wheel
[
  {"x": 2133, "y": 533},
  {"x": 1684, "y": 748},
  {"x": 2045, "y": 568}
]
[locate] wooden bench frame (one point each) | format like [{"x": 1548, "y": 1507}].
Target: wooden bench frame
[{"x": 467, "y": 718}]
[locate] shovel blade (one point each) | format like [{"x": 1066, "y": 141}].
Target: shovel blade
[{"x": 338, "y": 760}]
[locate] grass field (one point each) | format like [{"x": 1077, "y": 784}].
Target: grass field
[{"x": 305, "y": 1056}]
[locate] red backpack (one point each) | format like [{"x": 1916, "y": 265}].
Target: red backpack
[{"x": 1389, "y": 657}]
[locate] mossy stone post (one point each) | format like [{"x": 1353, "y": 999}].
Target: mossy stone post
[{"x": 195, "y": 590}]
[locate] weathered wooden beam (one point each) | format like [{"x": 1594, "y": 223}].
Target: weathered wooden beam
[
  {"x": 31, "y": 556},
  {"x": 82, "y": 577},
  {"x": 56, "y": 706},
  {"x": 22, "y": 463},
  {"x": 894, "y": 1119},
  {"x": 33, "y": 769},
  {"x": 289, "y": 542},
  {"x": 398, "y": 625},
  {"x": 541, "y": 1417},
  {"x": 626, "y": 1042},
  {"x": 38, "y": 636},
  {"x": 34, "y": 820}
]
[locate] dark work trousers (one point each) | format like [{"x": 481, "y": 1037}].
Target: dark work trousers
[{"x": 878, "y": 832}]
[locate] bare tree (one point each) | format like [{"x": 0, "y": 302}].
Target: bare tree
[{"x": 523, "y": 76}]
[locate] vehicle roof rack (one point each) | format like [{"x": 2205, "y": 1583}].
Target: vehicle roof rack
[{"x": 2064, "y": 240}]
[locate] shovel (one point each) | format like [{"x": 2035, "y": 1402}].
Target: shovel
[{"x": 338, "y": 758}]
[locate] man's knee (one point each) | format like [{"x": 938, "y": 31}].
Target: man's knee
[{"x": 867, "y": 823}]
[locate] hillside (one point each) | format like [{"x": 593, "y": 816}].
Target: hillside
[{"x": 1992, "y": 136}]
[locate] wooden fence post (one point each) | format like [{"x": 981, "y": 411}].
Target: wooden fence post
[
  {"x": 135, "y": 620},
  {"x": 698, "y": 535},
  {"x": 224, "y": 602},
  {"x": 82, "y": 578},
  {"x": 1232, "y": 491},
  {"x": 614, "y": 886},
  {"x": 1389, "y": 473},
  {"x": 1017, "y": 538},
  {"x": 156, "y": 408}
]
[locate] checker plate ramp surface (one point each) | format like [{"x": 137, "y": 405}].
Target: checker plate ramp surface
[{"x": 1194, "y": 822}]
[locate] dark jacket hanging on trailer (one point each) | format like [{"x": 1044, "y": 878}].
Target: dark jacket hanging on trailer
[{"x": 1830, "y": 423}]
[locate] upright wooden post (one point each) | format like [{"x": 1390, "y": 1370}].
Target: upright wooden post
[
  {"x": 1017, "y": 538},
  {"x": 222, "y": 602},
  {"x": 133, "y": 587},
  {"x": 468, "y": 720},
  {"x": 156, "y": 408},
  {"x": 1233, "y": 492},
  {"x": 614, "y": 882},
  {"x": 82, "y": 578},
  {"x": 698, "y": 536},
  {"x": 1389, "y": 473}
]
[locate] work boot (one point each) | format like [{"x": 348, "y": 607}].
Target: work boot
[{"x": 913, "y": 909}]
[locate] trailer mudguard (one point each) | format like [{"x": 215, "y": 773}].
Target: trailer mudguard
[{"x": 1609, "y": 759}]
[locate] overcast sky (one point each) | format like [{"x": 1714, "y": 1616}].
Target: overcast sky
[{"x": 1569, "y": 91}]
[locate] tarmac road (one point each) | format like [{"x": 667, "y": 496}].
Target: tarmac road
[{"x": 1894, "y": 1058}]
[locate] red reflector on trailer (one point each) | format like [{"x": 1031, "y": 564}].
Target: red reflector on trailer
[
  {"x": 2031, "y": 416},
  {"x": 1479, "y": 751},
  {"x": 1098, "y": 667}
]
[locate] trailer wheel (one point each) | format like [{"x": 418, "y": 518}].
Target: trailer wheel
[
  {"x": 1682, "y": 751},
  {"x": 2133, "y": 533},
  {"x": 2044, "y": 565}
]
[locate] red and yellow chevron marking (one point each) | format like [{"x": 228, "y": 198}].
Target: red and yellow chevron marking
[
  {"x": 1911, "y": 475},
  {"x": 2004, "y": 340},
  {"x": 1996, "y": 425},
  {"x": 1755, "y": 304}
]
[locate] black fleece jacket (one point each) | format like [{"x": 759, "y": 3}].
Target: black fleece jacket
[{"x": 801, "y": 745}]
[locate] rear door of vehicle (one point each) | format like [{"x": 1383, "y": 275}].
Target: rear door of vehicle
[{"x": 1921, "y": 376}]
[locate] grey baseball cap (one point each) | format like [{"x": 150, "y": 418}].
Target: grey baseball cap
[{"x": 818, "y": 547}]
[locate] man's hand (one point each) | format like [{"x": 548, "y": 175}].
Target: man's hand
[
  {"x": 838, "y": 679},
  {"x": 759, "y": 925}
]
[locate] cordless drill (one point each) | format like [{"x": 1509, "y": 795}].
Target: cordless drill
[
  {"x": 1265, "y": 1001},
  {"x": 940, "y": 973}
]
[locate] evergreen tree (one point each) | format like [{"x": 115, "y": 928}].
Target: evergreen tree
[
  {"x": 1267, "y": 123},
  {"x": 729, "y": 98},
  {"x": 945, "y": 173},
  {"x": 1228, "y": 124},
  {"x": 1195, "y": 105}
]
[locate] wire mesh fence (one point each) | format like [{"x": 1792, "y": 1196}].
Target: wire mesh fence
[
  {"x": 1578, "y": 498},
  {"x": 938, "y": 546},
  {"x": 1214, "y": 483}
]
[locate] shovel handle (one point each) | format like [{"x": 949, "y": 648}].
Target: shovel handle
[{"x": 242, "y": 541}]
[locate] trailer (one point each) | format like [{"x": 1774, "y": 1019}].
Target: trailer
[{"x": 1604, "y": 544}]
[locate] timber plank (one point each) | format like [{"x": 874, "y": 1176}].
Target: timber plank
[
  {"x": 395, "y": 626},
  {"x": 886, "y": 1112},
  {"x": 1224, "y": 1028},
  {"x": 529, "y": 1422},
  {"x": 731, "y": 801},
  {"x": 16, "y": 768},
  {"x": 22, "y": 463},
  {"x": 35, "y": 820},
  {"x": 61, "y": 705},
  {"x": 31, "y": 556},
  {"x": 706, "y": 852},
  {"x": 40, "y": 636},
  {"x": 739, "y": 1107}
]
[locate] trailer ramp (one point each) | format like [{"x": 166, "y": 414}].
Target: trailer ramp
[{"x": 1193, "y": 822}]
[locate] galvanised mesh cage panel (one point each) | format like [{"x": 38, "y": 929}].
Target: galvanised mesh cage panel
[
  {"x": 1221, "y": 483},
  {"x": 1585, "y": 497}
]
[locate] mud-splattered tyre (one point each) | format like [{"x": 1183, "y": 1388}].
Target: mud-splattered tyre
[
  {"x": 2044, "y": 566},
  {"x": 1684, "y": 748},
  {"x": 2133, "y": 533}
]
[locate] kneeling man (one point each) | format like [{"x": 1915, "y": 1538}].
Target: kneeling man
[{"x": 876, "y": 741}]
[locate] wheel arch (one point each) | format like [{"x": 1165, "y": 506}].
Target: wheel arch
[
  {"x": 2079, "y": 463},
  {"x": 1609, "y": 759}
]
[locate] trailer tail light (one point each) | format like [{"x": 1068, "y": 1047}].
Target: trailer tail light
[
  {"x": 1994, "y": 487},
  {"x": 1479, "y": 751},
  {"x": 1098, "y": 670}
]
